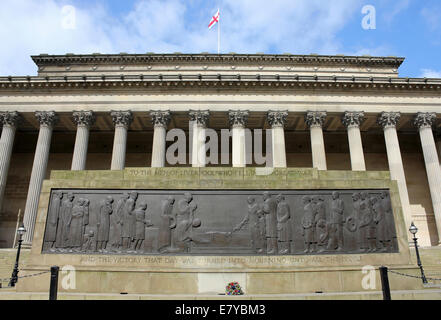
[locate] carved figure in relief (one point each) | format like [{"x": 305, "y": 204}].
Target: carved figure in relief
[
  {"x": 309, "y": 224},
  {"x": 256, "y": 224},
  {"x": 320, "y": 219},
  {"x": 270, "y": 211},
  {"x": 128, "y": 221},
  {"x": 103, "y": 224},
  {"x": 372, "y": 230},
  {"x": 366, "y": 218},
  {"x": 64, "y": 222},
  {"x": 353, "y": 220},
  {"x": 185, "y": 221},
  {"x": 387, "y": 228},
  {"x": 88, "y": 242},
  {"x": 336, "y": 221},
  {"x": 115, "y": 236},
  {"x": 53, "y": 220},
  {"x": 383, "y": 235},
  {"x": 284, "y": 235},
  {"x": 76, "y": 225},
  {"x": 86, "y": 215},
  {"x": 167, "y": 224},
  {"x": 141, "y": 223}
]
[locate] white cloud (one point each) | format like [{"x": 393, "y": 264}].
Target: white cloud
[
  {"x": 428, "y": 73},
  {"x": 248, "y": 26}
]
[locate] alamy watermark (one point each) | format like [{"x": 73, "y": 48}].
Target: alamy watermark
[
  {"x": 368, "y": 281},
  {"x": 369, "y": 21},
  {"x": 68, "y": 17}
]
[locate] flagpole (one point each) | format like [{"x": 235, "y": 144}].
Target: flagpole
[{"x": 218, "y": 33}]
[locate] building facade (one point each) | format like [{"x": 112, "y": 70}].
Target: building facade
[{"x": 110, "y": 112}]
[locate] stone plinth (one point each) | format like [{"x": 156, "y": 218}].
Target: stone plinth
[{"x": 185, "y": 274}]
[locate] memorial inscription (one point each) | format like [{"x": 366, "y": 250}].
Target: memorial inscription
[{"x": 220, "y": 222}]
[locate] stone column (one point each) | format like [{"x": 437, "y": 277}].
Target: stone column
[
  {"x": 438, "y": 143},
  {"x": 389, "y": 120},
  {"x": 160, "y": 120},
  {"x": 277, "y": 121},
  {"x": 352, "y": 121},
  {"x": 47, "y": 120},
  {"x": 198, "y": 123},
  {"x": 315, "y": 121},
  {"x": 238, "y": 121},
  {"x": 122, "y": 121},
  {"x": 83, "y": 120},
  {"x": 9, "y": 121},
  {"x": 424, "y": 122}
]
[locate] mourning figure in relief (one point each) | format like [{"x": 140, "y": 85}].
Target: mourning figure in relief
[
  {"x": 103, "y": 224},
  {"x": 62, "y": 241},
  {"x": 128, "y": 221},
  {"x": 53, "y": 220},
  {"x": 284, "y": 235},
  {"x": 141, "y": 223},
  {"x": 167, "y": 224},
  {"x": 335, "y": 225},
  {"x": 270, "y": 211},
  {"x": 116, "y": 230},
  {"x": 308, "y": 225}
]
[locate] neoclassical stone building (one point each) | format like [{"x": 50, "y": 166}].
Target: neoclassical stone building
[{"x": 109, "y": 112}]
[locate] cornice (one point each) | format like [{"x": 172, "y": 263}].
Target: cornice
[
  {"x": 45, "y": 60},
  {"x": 219, "y": 81}
]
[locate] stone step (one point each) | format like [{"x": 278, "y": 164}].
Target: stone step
[{"x": 428, "y": 294}]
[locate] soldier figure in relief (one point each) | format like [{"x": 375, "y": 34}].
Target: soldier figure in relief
[
  {"x": 335, "y": 241},
  {"x": 256, "y": 224},
  {"x": 184, "y": 223},
  {"x": 284, "y": 235}
]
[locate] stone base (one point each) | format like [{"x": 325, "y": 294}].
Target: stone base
[
  {"x": 205, "y": 275},
  {"x": 365, "y": 295}
]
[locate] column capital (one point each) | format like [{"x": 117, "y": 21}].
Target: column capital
[
  {"x": 201, "y": 117},
  {"x": 47, "y": 118},
  {"x": 277, "y": 118},
  {"x": 160, "y": 118},
  {"x": 352, "y": 119},
  {"x": 389, "y": 119},
  {"x": 315, "y": 118},
  {"x": 83, "y": 118},
  {"x": 238, "y": 118},
  {"x": 424, "y": 119},
  {"x": 10, "y": 118},
  {"x": 122, "y": 118}
]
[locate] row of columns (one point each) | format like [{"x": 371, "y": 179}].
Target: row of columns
[{"x": 238, "y": 121}]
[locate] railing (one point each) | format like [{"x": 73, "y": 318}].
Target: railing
[
  {"x": 53, "y": 287},
  {"x": 384, "y": 273}
]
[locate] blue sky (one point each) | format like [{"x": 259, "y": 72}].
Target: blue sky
[{"x": 406, "y": 28}]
